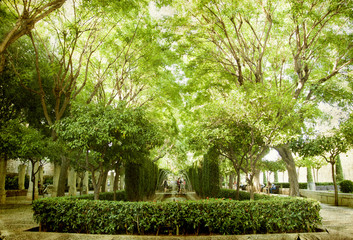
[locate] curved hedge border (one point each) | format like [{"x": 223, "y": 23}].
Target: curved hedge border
[{"x": 191, "y": 217}]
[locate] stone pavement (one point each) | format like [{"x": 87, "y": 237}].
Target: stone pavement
[{"x": 16, "y": 219}]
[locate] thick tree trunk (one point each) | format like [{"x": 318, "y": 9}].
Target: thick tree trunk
[
  {"x": 57, "y": 169},
  {"x": 334, "y": 182},
  {"x": 62, "y": 177},
  {"x": 104, "y": 183},
  {"x": 256, "y": 181},
  {"x": 97, "y": 183},
  {"x": 251, "y": 188},
  {"x": 3, "y": 163},
  {"x": 231, "y": 181},
  {"x": 116, "y": 181},
  {"x": 287, "y": 157},
  {"x": 238, "y": 185}
]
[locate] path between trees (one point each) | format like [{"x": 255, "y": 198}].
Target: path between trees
[{"x": 16, "y": 219}]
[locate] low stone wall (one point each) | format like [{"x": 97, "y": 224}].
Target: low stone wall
[
  {"x": 16, "y": 193},
  {"x": 344, "y": 199}
]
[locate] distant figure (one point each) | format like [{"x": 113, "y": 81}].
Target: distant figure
[
  {"x": 165, "y": 185},
  {"x": 273, "y": 187}
]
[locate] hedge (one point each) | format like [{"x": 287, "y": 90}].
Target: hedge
[
  {"x": 243, "y": 195},
  {"x": 205, "y": 178},
  {"x": 186, "y": 217},
  {"x": 303, "y": 185},
  {"x": 346, "y": 186},
  {"x": 11, "y": 181},
  {"x": 109, "y": 196}
]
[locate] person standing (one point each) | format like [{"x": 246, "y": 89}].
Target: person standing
[{"x": 165, "y": 185}]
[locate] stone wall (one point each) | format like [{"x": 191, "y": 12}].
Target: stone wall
[{"x": 344, "y": 199}]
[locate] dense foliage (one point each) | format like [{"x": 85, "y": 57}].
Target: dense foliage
[
  {"x": 189, "y": 217},
  {"x": 205, "y": 179},
  {"x": 11, "y": 182},
  {"x": 141, "y": 179},
  {"x": 346, "y": 186},
  {"x": 243, "y": 195},
  {"x": 109, "y": 196}
]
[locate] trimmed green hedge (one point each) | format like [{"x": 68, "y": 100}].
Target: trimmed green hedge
[
  {"x": 303, "y": 185},
  {"x": 346, "y": 186},
  {"x": 243, "y": 195},
  {"x": 186, "y": 217},
  {"x": 109, "y": 196}
]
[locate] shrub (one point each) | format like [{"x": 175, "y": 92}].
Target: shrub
[
  {"x": 11, "y": 182},
  {"x": 109, "y": 196},
  {"x": 243, "y": 195},
  {"x": 187, "y": 217},
  {"x": 303, "y": 185},
  {"x": 346, "y": 186}
]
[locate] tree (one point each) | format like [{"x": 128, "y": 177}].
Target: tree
[
  {"x": 107, "y": 135},
  {"x": 328, "y": 147},
  {"x": 230, "y": 44},
  {"x": 27, "y": 14}
]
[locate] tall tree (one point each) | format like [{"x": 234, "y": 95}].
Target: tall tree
[
  {"x": 229, "y": 44},
  {"x": 26, "y": 14}
]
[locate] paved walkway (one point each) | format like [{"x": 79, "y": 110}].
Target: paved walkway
[{"x": 16, "y": 219}]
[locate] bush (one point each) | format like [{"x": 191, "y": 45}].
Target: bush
[
  {"x": 346, "y": 186},
  {"x": 11, "y": 182},
  {"x": 243, "y": 195},
  {"x": 187, "y": 217},
  {"x": 303, "y": 185},
  {"x": 109, "y": 196}
]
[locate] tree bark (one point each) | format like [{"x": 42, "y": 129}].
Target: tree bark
[
  {"x": 25, "y": 23},
  {"x": 116, "y": 181},
  {"x": 334, "y": 182},
  {"x": 62, "y": 177},
  {"x": 231, "y": 181},
  {"x": 238, "y": 185},
  {"x": 287, "y": 157},
  {"x": 256, "y": 181},
  {"x": 104, "y": 181},
  {"x": 3, "y": 163}
]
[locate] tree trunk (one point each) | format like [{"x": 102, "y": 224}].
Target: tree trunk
[
  {"x": 287, "y": 157},
  {"x": 97, "y": 183},
  {"x": 238, "y": 185},
  {"x": 231, "y": 181},
  {"x": 62, "y": 177},
  {"x": 256, "y": 181},
  {"x": 104, "y": 181},
  {"x": 334, "y": 182},
  {"x": 3, "y": 163},
  {"x": 251, "y": 188},
  {"x": 57, "y": 169},
  {"x": 116, "y": 181}
]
